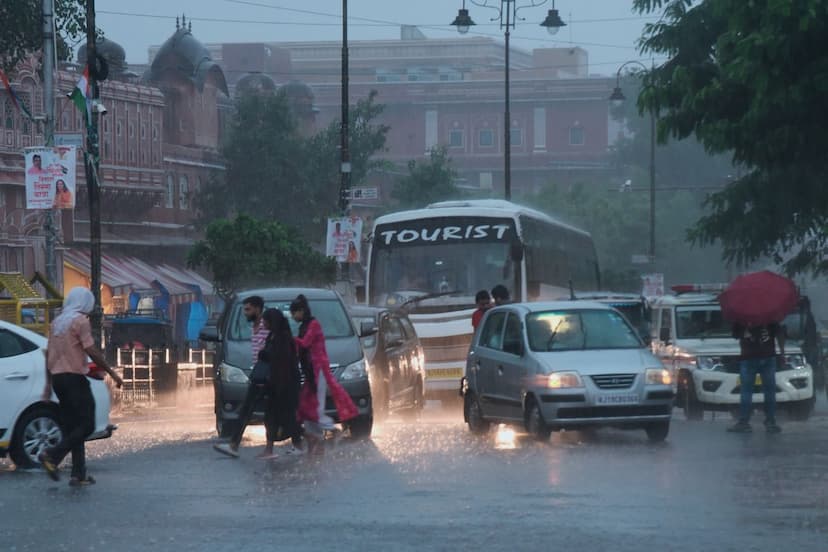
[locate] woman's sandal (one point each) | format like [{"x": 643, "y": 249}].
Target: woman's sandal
[
  {"x": 49, "y": 466},
  {"x": 78, "y": 482}
]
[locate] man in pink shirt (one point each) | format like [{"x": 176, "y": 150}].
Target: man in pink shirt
[{"x": 70, "y": 342}]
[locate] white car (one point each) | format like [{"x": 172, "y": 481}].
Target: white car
[
  {"x": 691, "y": 339},
  {"x": 28, "y": 424}
]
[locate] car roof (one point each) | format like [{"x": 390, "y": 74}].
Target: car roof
[
  {"x": 542, "y": 306},
  {"x": 365, "y": 310},
  {"x": 610, "y": 296},
  {"x": 35, "y": 338},
  {"x": 686, "y": 299},
  {"x": 287, "y": 293}
]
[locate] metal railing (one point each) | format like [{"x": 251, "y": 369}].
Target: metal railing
[{"x": 138, "y": 369}]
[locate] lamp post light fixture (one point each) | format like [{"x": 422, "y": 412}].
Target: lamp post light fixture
[
  {"x": 617, "y": 98},
  {"x": 507, "y": 16}
]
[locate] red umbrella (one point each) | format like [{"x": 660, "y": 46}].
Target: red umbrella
[{"x": 759, "y": 298}]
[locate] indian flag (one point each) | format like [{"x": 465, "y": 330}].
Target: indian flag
[{"x": 80, "y": 95}]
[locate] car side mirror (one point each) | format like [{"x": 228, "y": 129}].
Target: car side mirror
[
  {"x": 513, "y": 349},
  {"x": 359, "y": 294},
  {"x": 664, "y": 335},
  {"x": 367, "y": 329},
  {"x": 209, "y": 334}
]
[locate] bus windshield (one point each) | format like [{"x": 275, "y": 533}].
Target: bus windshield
[{"x": 457, "y": 269}]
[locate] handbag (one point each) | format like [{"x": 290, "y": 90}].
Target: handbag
[{"x": 261, "y": 373}]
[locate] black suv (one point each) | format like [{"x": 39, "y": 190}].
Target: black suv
[
  {"x": 395, "y": 359},
  {"x": 233, "y": 358}
]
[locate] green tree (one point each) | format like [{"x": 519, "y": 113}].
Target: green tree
[
  {"x": 246, "y": 252},
  {"x": 273, "y": 172},
  {"x": 427, "y": 181},
  {"x": 750, "y": 79},
  {"x": 21, "y": 28},
  {"x": 619, "y": 224}
]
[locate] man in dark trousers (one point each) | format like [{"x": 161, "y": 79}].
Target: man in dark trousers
[{"x": 758, "y": 344}]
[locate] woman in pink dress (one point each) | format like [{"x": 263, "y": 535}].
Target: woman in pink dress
[{"x": 318, "y": 379}]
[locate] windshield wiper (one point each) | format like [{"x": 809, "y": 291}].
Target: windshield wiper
[
  {"x": 415, "y": 300},
  {"x": 552, "y": 336}
]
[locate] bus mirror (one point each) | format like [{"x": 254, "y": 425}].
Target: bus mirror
[
  {"x": 533, "y": 290},
  {"x": 516, "y": 252},
  {"x": 359, "y": 292}
]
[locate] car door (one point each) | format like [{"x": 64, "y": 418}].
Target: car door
[
  {"x": 394, "y": 346},
  {"x": 17, "y": 376},
  {"x": 489, "y": 354},
  {"x": 411, "y": 358},
  {"x": 511, "y": 371}
]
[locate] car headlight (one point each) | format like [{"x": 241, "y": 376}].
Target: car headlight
[
  {"x": 356, "y": 370},
  {"x": 564, "y": 380},
  {"x": 231, "y": 374},
  {"x": 795, "y": 362},
  {"x": 710, "y": 363},
  {"x": 658, "y": 376}
]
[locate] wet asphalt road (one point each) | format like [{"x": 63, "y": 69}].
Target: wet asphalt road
[{"x": 433, "y": 486}]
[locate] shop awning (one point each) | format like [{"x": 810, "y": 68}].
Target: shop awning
[{"x": 125, "y": 274}]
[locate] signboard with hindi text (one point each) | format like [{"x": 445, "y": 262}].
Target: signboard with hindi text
[
  {"x": 343, "y": 239},
  {"x": 50, "y": 177}
]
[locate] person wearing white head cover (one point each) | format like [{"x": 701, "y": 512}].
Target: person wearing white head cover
[{"x": 70, "y": 342}]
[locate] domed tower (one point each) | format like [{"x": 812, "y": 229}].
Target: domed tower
[
  {"x": 256, "y": 83},
  {"x": 112, "y": 52},
  {"x": 191, "y": 83},
  {"x": 300, "y": 97}
]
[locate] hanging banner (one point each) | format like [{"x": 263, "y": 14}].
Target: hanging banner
[
  {"x": 652, "y": 285},
  {"x": 343, "y": 238},
  {"x": 50, "y": 177}
]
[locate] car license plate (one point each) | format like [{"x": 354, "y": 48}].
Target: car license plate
[
  {"x": 618, "y": 398},
  {"x": 757, "y": 382}
]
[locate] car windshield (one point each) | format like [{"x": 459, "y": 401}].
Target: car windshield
[
  {"x": 580, "y": 329},
  {"x": 701, "y": 322},
  {"x": 329, "y": 312}
]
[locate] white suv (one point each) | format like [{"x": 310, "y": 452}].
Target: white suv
[
  {"x": 28, "y": 424},
  {"x": 690, "y": 337}
]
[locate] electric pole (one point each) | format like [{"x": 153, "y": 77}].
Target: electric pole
[
  {"x": 91, "y": 164},
  {"x": 345, "y": 151},
  {"x": 49, "y": 127}
]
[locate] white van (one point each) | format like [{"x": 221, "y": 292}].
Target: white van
[
  {"x": 28, "y": 424},
  {"x": 691, "y": 338}
]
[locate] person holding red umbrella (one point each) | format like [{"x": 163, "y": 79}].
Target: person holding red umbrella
[
  {"x": 758, "y": 358},
  {"x": 755, "y": 303}
]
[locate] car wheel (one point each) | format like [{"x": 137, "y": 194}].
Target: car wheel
[
  {"x": 800, "y": 411},
  {"x": 474, "y": 415},
  {"x": 36, "y": 431},
  {"x": 225, "y": 428},
  {"x": 361, "y": 427},
  {"x": 535, "y": 424},
  {"x": 657, "y": 432},
  {"x": 693, "y": 409}
]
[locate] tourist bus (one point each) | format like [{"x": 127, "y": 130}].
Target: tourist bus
[{"x": 435, "y": 260}]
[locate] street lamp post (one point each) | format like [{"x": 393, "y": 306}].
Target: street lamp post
[
  {"x": 507, "y": 16},
  {"x": 618, "y": 97}
]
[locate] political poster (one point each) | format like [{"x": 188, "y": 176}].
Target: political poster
[
  {"x": 50, "y": 177},
  {"x": 652, "y": 285},
  {"x": 343, "y": 239}
]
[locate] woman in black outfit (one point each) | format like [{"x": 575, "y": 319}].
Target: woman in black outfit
[{"x": 283, "y": 391}]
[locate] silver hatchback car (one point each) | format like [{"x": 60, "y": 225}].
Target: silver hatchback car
[{"x": 565, "y": 364}]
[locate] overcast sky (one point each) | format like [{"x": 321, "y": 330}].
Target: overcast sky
[{"x": 607, "y": 29}]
